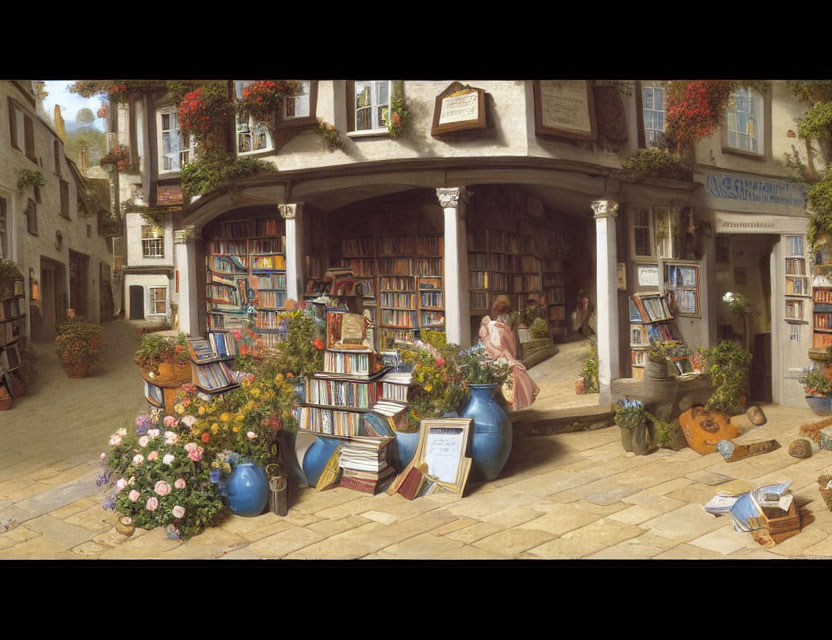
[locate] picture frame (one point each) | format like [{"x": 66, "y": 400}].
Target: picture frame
[
  {"x": 442, "y": 448},
  {"x": 565, "y": 108}
]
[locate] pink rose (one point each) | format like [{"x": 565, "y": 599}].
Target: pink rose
[
  {"x": 178, "y": 512},
  {"x": 162, "y": 488},
  {"x": 171, "y": 437},
  {"x": 168, "y": 459},
  {"x": 103, "y": 456},
  {"x": 132, "y": 480},
  {"x": 251, "y": 435},
  {"x": 188, "y": 421},
  {"x": 195, "y": 454},
  {"x": 169, "y": 422},
  {"x": 134, "y": 495},
  {"x": 190, "y": 446},
  {"x": 152, "y": 456},
  {"x": 121, "y": 483},
  {"x": 152, "y": 504},
  {"x": 143, "y": 441},
  {"x": 138, "y": 459},
  {"x": 153, "y": 433},
  {"x": 180, "y": 483},
  {"x": 115, "y": 440}
]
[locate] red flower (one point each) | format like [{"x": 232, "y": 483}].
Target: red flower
[
  {"x": 206, "y": 438},
  {"x": 318, "y": 344},
  {"x": 440, "y": 362}
]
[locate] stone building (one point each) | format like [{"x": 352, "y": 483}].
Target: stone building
[
  {"x": 493, "y": 187},
  {"x": 53, "y": 231}
]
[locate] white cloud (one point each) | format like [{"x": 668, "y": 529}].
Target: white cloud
[{"x": 71, "y": 103}]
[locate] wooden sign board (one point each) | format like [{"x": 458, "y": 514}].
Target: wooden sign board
[
  {"x": 564, "y": 108},
  {"x": 458, "y": 108},
  {"x": 169, "y": 194}
]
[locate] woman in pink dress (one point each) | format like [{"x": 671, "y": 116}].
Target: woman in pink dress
[{"x": 500, "y": 344}]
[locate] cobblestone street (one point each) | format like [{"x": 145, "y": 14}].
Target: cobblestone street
[{"x": 563, "y": 496}]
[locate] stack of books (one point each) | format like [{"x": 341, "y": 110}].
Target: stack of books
[{"x": 364, "y": 465}]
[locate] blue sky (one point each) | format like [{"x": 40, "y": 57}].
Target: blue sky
[{"x": 71, "y": 103}]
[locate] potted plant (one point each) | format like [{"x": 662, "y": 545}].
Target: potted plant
[
  {"x": 301, "y": 352},
  {"x": 727, "y": 364},
  {"x": 164, "y": 359},
  {"x": 657, "y": 354},
  {"x": 637, "y": 431},
  {"x": 492, "y": 434},
  {"x": 818, "y": 390},
  {"x": 822, "y": 360},
  {"x": 79, "y": 344}
]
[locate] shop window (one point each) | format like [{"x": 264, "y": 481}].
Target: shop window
[
  {"x": 653, "y": 101},
  {"x": 158, "y": 300},
  {"x": 153, "y": 242},
  {"x": 369, "y": 105},
  {"x": 744, "y": 122},
  {"x": 174, "y": 150},
  {"x": 4, "y": 229}
]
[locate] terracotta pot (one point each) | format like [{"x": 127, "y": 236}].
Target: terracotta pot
[
  {"x": 169, "y": 374},
  {"x": 78, "y": 369}
]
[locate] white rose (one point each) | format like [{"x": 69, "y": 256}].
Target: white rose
[
  {"x": 143, "y": 441},
  {"x": 178, "y": 512},
  {"x": 189, "y": 421},
  {"x": 171, "y": 437},
  {"x": 251, "y": 435},
  {"x": 168, "y": 459},
  {"x": 115, "y": 440},
  {"x": 138, "y": 459},
  {"x": 122, "y": 432},
  {"x": 121, "y": 483},
  {"x": 153, "y": 433}
]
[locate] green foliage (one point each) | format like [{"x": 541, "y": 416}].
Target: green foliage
[
  {"x": 78, "y": 340},
  {"x": 95, "y": 141},
  {"x": 155, "y": 349},
  {"x": 398, "y": 117},
  {"x": 590, "y": 370},
  {"x": 727, "y": 364},
  {"x": 300, "y": 352},
  {"x": 815, "y": 383},
  {"x": 630, "y": 417},
  {"x": 539, "y": 328},
  {"x": 29, "y": 178},
  {"x": 436, "y": 385},
  {"x": 664, "y": 431},
  {"x": 816, "y": 123},
  {"x": 330, "y": 136},
  {"x": 811, "y": 90},
  {"x": 820, "y": 200},
  {"x": 658, "y": 163},
  {"x": 212, "y": 168},
  {"x": 657, "y": 352},
  {"x": 478, "y": 368},
  {"x": 8, "y": 269}
]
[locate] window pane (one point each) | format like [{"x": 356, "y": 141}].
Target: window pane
[
  {"x": 382, "y": 92},
  {"x": 642, "y": 241},
  {"x": 363, "y": 119},
  {"x": 382, "y": 116},
  {"x": 165, "y": 122},
  {"x": 648, "y": 98},
  {"x": 659, "y": 99},
  {"x": 362, "y": 94}
]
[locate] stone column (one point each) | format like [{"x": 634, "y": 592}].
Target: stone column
[
  {"x": 606, "y": 306},
  {"x": 185, "y": 257},
  {"x": 457, "y": 320},
  {"x": 292, "y": 214}
]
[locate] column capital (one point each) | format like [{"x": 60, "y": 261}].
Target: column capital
[
  {"x": 184, "y": 235},
  {"x": 607, "y": 208},
  {"x": 290, "y": 211},
  {"x": 450, "y": 197}
]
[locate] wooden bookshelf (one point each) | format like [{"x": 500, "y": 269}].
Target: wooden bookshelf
[
  {"x": 246, "y": 267},
  {"x": 12, "y": 332},
  {"x": 822, "y": 317},
  {"x": 210, "y": 359}
]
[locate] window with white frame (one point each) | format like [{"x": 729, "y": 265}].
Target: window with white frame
[
  {"x": 153, "y": 242},
  {"x": 744, "y": 121},
  {"x": 641, "y": 232},
  {"x": 157, "y": 304},
  {"x": 299, "y": 106},
  {"x": 666, "y": 225},
  {"x": 252, "y": 136},
  {"x": 174, "y": 150},
  {"x": 371, "y": 104},
  {"x": 653, "y": 112},
  {"x": 4, "y": 229}
]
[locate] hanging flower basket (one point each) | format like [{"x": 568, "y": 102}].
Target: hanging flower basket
[
  {"x": 203, "y": 112},
  {"x": 263, "y": 100}
]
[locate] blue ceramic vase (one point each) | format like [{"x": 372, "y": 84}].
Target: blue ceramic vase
[
  {"x": 819, "y": 406},
  {"x": 403, "y": 450},
  {"x": 491, "y": 437},
  {"x": 317, "y": 455},
  {"x": 248, "y": 490}
]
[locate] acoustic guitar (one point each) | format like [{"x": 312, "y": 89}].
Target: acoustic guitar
[{"x": 704, "y": 429}]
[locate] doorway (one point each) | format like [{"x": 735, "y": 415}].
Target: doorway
[
  {"x": 743, "y": 266},
  {"x": 52, "y": 300},
  {"x": 136, "y": 302},
  {"x": 78, "y": 275}
]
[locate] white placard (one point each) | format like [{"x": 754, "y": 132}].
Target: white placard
[
  {"x": 460, "y": 108},
  {"x": 443, "y": 452},
  {"x": 564, "y": 105},
  {"x": 648, "y": 276}
]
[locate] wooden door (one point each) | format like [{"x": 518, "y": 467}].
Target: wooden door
[{"x": 136, "y": 302}]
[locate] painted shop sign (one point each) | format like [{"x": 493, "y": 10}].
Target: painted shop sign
[
  {"x": 458, "y": 108},
  {"x": 728, "y": 187},
  {"x": 754, "y": 223},
  {"x": 169, "y": 194},
  {"x": 564, "y": 108}
]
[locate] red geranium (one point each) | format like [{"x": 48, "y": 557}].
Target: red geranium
[
  {"x": 206, "y": 438},
  {"x": 695, "y": 108},
  {"x": 318, "y": 344}
]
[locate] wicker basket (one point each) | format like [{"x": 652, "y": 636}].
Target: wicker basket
[{"x": 824, "y": 492}]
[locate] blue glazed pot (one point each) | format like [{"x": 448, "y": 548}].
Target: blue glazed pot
[
  {"x": 248, "y": 490},
  {"x": 403, "y": 450},
  {"x": 491, "y": 439},
  {"x": 819, "y": 406},
  {"x": 317, "y": 455}
]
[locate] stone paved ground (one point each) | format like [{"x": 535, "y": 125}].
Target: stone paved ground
[{"x": 564, "y": 496}]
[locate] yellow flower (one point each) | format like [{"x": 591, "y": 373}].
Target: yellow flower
[
  {"x": 225, "y": 417},
  {"x": 428, "y": 387},
  {"x": 226, "y": 467},
  {"x": 278, "y": 379},
  {"x": 215, "y": 427},
  {"x": 236, "y": 429},
  {"x": 179, "y": 409},
  {"x": 255, "y": 392},
  {"x": 201, "y": 410}
]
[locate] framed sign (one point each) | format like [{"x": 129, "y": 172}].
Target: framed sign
[
  {"x": 647, "y": 275},
  {"x": 442, "y": 446},
  {"x": 564, "y": 108},
  {"x": 169, "y": 194},
  {"x": 458, "y": 108}
]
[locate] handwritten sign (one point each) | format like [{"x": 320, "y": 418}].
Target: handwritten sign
[
  {"x": 564, "y": 104},
  {"x": 460, "y": 108},
  {"x": 728, "y": 187},
  {"x": 443, "y": 451},
  {"x": 648, "y": 275}
]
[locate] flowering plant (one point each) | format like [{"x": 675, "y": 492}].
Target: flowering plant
[
  {"x": 78, "y": 340},
  {"x": 695, "y": 108},
  {"x": 480, "y": 368},
  {"x": 118, "y": 92},
  {"x": 300, "y": 352},
  {"x": 155, "y": 349},
  {"x": 203, "y": 111},
  {"x": 118, "y": 158},
  {"x": 329, "y": 134},
  {"x": 630, "y": 413},
  {"x": 737, "y": 303},
  {"x": 264, "y": 99},
  {"x": 815, "y": 383},
  {"x": 397, "y": 117},
  {"x": 158, "y": 478}
]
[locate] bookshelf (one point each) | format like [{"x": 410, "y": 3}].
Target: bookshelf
[
  {"x": 651, "y": 322},
  {"x": 553, "y": 292},
  {"x": 402, "y": 278},
  {"x": 797, "y": 287},
  {"x": 210, "y": 358},
  {"x": 246, "y": 271},
  {"x": 12, "y": 330},
  {"x": 822, "y": 317}
]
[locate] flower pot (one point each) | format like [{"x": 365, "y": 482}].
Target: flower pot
[
  {"x": 491, "y": 438},
  {"x": 626, "y": 438},
  {"x": 76, "y": 369},
  {"x": 655, "y": 369},
  {"x": 287, "y": 456},
  {"x": 316, "y": 457},
  {"x": 640, "y": 438},
  {"x": 403, "y": 449},
  {"x": 820, "y": 406},
  {"x": 248, "y": 490}
]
